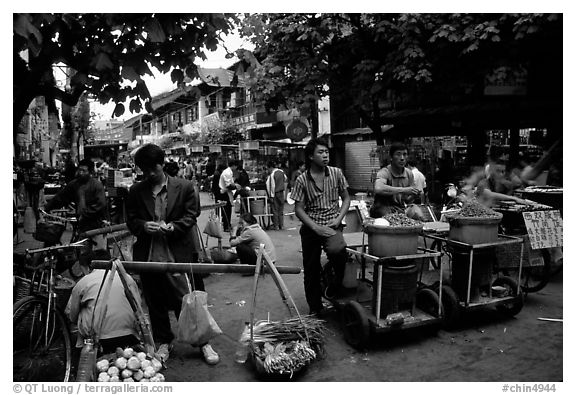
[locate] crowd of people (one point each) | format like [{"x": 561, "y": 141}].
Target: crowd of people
[{"x": 163, "y": 207}]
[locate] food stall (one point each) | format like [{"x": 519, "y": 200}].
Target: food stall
[{"x": 256, "y": 154}]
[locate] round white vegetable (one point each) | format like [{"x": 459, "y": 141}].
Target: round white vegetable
[
  {"x": 138, "y": 375},
  {"x": 128, "y": 352},
  {"x": 113, "y": 371},
  {"x": 103, "y": 377},
  {"x": 149, "y": 372},
  {"x": 144, "y": 364},
  {"x": 102, "y": 365},
  {"x": 128, "y": 380},
  {"x": 156, "y": 364},
  {"x": 120, "y": 363},
  {"x": 126, "y": 373},
  {"x": 133, "y": 363},
  {"x": 141, "y": 356},
  {"x": 114, "y": 379},
  {"x": 160, "y": 376}
]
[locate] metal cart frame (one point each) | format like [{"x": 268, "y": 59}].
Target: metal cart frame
[
  {"x": 371, "y": 322},
  {"x": 471, "y": 248}
]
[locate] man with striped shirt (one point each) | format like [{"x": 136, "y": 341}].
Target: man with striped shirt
[{"x": 316, "y": 193}]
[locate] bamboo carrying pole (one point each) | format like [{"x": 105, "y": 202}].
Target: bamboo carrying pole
[{"x": 178, "y": 267}]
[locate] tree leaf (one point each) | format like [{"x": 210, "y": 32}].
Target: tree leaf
[
  {"x": 129, "y": 73},
  {"x": 155, "y": 31},
  {"x": 135, "y": 106},
  {"x": 119, "y": 110},
  {"x": 102, "y": 62},
  {"x": 24, "y": 28},
  {"x": 177, "y": 76}
]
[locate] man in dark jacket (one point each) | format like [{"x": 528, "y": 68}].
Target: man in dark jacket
[
  {"x": 162, "y": 213},
  {"x": 87, "y": 193}
]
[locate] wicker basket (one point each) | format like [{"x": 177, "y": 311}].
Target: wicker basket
[
  {"x": 263, "y": 374},
  {"x": 507, "y": 255},
  {"x": 49, "y": 232},
  {"x": 63, "y": 289}
]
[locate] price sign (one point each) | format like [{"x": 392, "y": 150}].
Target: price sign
[{"x": 544, "y": 228}]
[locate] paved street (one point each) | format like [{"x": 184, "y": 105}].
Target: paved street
[{"x": 487, "y": 347}]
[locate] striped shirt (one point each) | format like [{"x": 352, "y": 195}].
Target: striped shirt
[{"x": 321, "y": 204}]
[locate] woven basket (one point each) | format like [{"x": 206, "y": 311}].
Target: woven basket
[
  {"x": 262, "y": 373},
  {"x": 63, "y": 289},
  {"x": 507, "y": 255},
  {"x": 49, "y": 232}
]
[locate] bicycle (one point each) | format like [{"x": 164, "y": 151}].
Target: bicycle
[{"x": 42, "y": 345}]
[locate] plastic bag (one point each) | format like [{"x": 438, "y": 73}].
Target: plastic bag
[
  {"x": 196, "y": 325},
  {"x": 214, "y": 227}
]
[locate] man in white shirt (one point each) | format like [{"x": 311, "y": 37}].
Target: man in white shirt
[
  {"x": 419, "y": 182},
  {"x": 227, "y": 186}
]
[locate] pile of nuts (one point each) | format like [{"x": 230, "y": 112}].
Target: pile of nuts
[
  {"x": 473, "y": 208},
  {"x": 398, "y": 219}
]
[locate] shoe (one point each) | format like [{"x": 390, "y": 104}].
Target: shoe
[
  {"x": 210, "y": 356},
  {"x": 164, "y": 351}
]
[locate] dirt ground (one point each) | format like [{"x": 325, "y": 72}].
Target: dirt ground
[{"x": 486, "y": 347}]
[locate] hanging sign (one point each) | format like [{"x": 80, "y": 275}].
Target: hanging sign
[
  {"x": 297, "y": 130},
  {"x": 544, "y": 228}
]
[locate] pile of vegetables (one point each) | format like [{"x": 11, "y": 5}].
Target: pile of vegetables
[
  {"x": 475, "y": 209},
  {"x": 129, "y": 366},
  {"x": 285, "y": 357},
  {"x": 284, "y": 347}
]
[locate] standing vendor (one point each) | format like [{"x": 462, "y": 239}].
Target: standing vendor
[{"x": 394, "y": 187}]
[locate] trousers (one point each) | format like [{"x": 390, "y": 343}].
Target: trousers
[{"x": 312, "y": 246}]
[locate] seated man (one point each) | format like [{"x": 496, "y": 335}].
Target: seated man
[
  {"x": 248, "y": 238},
  {"x": 119, "y": 328}
]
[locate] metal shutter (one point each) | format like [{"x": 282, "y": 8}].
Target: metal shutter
[{"x": 359, "y": 165}]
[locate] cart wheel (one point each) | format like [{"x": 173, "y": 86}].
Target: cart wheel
[
  {"x": 513, "y": 307},
  {"x": 428, "y": 301},
  {"x": 450, "y": 305},
  {"x": 355, "y": 324}
]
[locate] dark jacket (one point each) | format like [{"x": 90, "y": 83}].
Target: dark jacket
[
  {"x": 183, "y": 207},
  {"x": 95, "y": 210}
]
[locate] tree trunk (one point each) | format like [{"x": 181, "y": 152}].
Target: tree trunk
[
  {"x": 477, "y": 140},
  {"x": 514, "y": 146},
  {"x": 314, "y": 119}
]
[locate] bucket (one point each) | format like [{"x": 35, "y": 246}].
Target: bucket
[
  {"x": 474, "y": 230},
  {"x": 386, "y": 241},
  {"x": 398, "y": 289},
  {"x": 257, "y": 207}
]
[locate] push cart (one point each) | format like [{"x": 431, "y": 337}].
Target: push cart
[
  {"x": 472, "y": 282},
  {"x": 404, "y": 303}
]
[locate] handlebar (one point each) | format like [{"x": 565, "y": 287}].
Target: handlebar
[
  {"x": 77, "y": 244},
  {"x": 57, "y": 218}
]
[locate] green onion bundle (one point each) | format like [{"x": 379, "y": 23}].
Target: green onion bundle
[{"x": 305, "y": 328}]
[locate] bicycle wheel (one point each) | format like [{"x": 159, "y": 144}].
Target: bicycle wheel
[
  {"x": 535, "y": 278},
  {"x": 42, "y": 348}
]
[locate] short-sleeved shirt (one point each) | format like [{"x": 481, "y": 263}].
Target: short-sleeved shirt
[
  {"x": 254, "y": 235},
  {"x": 386, "y": 176},
  {"x": 419, "y": 179},
  {"x": 119, "y": 320},
  {"x": 321, "y": 204}
]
